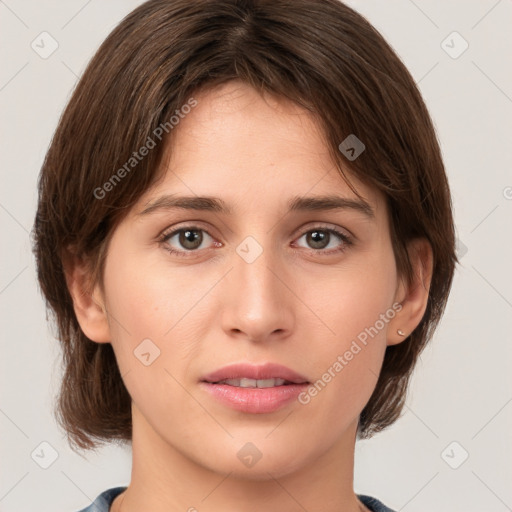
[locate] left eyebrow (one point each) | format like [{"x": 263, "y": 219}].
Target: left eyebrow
[
  {"x": 316, "y": 203},
  {"x": 215, "y": 204}
]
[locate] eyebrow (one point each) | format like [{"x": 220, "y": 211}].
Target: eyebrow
[{"x": 217, "y": 205}]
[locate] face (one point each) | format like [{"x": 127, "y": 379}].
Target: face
[{"x": 300, "y": 295}]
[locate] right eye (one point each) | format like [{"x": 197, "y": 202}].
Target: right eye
[{"x": 184, "y": 240}]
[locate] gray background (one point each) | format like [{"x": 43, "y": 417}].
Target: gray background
[{"x": 461, "y": 390}]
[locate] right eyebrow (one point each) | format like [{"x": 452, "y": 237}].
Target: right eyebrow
[{"x": 169, "y": 202}]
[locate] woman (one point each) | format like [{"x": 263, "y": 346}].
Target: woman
[{"x": 245, "y": 233}]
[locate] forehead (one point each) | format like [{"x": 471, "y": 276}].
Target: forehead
[{"x": 249, "y": 148}]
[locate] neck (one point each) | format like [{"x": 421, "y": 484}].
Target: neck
[{"x": 164, "y": 479}]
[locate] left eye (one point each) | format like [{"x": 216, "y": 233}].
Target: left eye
[{"x": 321, "y": 238}]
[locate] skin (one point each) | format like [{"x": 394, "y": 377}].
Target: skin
[{"x": 295, "y": 305}]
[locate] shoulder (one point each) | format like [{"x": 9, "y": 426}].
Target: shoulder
[
  {"x": 373, "y": 504},
  {"x": 104, "y": 500}
]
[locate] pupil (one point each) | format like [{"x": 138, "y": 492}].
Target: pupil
[
  {"x": 191, "y": 239},
  {"x": 318, "y": 239}
]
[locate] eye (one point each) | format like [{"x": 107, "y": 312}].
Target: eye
[
  {"x": 189, "y": 239},
  {"x": 184, "y": 240},
  {"x": 322, "y": 239}
]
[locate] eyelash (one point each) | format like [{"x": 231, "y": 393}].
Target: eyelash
[{"x": 164, "y": 238}]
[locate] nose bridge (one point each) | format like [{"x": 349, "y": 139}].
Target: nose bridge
[
  {"x": 258, "y": 302},
  {"x": 257, "y": 279}
]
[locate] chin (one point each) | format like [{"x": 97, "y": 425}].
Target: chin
[{"x": 259, "y": 460}]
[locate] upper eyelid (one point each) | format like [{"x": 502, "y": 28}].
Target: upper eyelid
[
  {"x": 200, "y": 225},
  {"x": 168, "y": 232},
  {"x": 174, "y": 229}
]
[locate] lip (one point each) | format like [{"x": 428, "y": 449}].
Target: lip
[
  {"x": 250, "y": 371},
  {"x": 254, "y": 400}
]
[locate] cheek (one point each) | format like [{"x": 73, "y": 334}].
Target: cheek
[
  {"x": 142, "y": 308},
  {"x": 153, "y": 320},
  {"x": 152, "y": 339},
  {"x": 352, "y": 299},
  {"x": 145, "y": 300},
  {"x": 354, "y": 310}
]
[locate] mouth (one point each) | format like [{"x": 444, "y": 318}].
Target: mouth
[
  {"x": 247, "y": 375},
  {"x": 254, "y": 383},
  {"x": 254, "y": 389}
]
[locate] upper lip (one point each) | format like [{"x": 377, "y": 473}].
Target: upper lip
[{"x": 258, "y": 372}]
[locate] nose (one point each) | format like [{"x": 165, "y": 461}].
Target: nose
[{"x": 258, "y": 298}]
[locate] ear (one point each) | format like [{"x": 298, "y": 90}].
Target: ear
[
  {"x": 412, "y": 296},
  {"x": 88, "y": 300}
]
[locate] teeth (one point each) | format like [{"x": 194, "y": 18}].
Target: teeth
[{"x": 253, "y": 383}]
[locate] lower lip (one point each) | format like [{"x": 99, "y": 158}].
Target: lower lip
[{"x": 255, "y": 400}]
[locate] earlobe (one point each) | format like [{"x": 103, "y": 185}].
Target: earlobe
[
  {"x": 413, "y": 296},
  {"x": 88, "y": 302}
]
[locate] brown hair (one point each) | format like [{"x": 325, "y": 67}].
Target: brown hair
[{"x": 321, "y": 55}]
